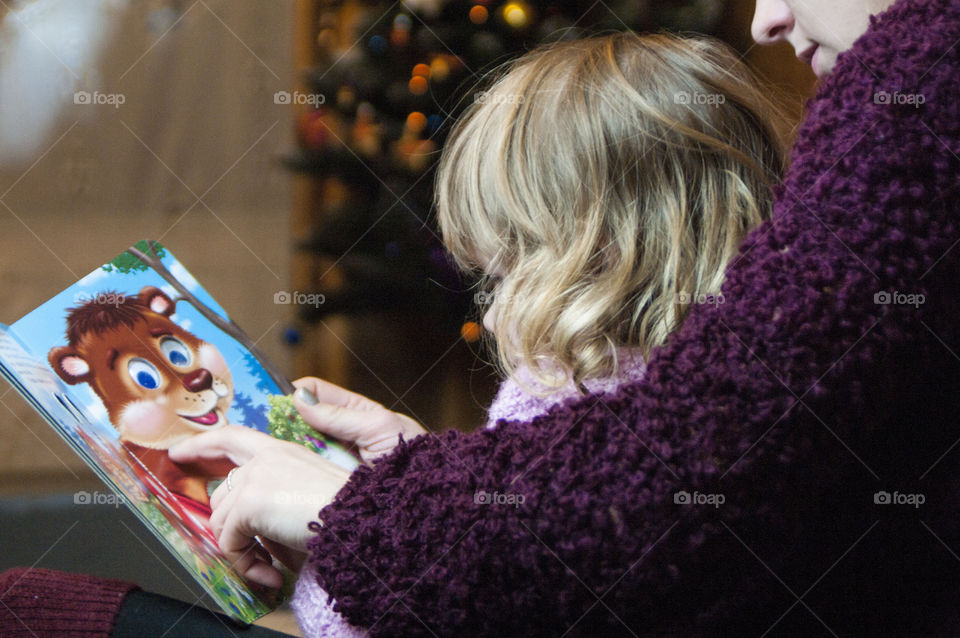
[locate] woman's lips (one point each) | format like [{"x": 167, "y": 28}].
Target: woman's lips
[
  {"x": 807, "y": 56},
  {"x": 811, "y": 56},
  {"x": 815, "y": 62}
]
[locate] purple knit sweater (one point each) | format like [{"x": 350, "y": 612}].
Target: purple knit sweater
[
  {"x": 315, "y": 609},
  {"x": 767, "y": 471}
]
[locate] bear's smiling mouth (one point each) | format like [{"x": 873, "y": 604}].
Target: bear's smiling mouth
[{"x": 210, "y": 418}]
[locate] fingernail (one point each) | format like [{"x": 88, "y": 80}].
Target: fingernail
[{"x": 306, "y": 396}]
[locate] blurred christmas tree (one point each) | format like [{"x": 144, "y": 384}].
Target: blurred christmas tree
[{"x": 392, "y": 79}]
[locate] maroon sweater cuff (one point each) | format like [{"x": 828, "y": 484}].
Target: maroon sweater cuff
[{"x": 43, "y": 602}]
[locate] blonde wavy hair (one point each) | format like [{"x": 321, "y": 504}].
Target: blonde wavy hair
[{"x": 600, "y": 185}]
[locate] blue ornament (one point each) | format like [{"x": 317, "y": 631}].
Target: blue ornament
[{"x": 378, "y": 44}]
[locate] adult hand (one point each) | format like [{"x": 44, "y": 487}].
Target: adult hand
[
  {"x": 274, "y": 493},
  {"x": 352, "y": 418}
]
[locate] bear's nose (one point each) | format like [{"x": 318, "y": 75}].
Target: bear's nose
[{"x": 198, "y": 380}]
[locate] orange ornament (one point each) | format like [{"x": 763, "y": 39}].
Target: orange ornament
[
  {"x": 479, "y": 14},
  {"x": 471, "y": 331},
  {"x": 439, "y": 69},
  {"x": 416, "y": 121},
  {"x": 418, "y": 85}
]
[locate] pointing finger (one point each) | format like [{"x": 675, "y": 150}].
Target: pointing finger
[{"x": 234, "y": 442}]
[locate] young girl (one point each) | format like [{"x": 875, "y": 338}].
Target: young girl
[{"x": 600, "y": 187}]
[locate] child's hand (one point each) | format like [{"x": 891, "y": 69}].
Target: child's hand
[
  {"x": 274, "y": 493},
  {"x": 352, "y": 418}
]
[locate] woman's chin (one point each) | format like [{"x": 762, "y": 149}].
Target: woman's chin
[{"x": 823, "y": 62}]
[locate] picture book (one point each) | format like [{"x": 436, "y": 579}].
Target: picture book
[{"x": 135, "y": 357}]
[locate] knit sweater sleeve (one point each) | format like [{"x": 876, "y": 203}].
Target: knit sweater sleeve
[{"x": 761, "y": 402}]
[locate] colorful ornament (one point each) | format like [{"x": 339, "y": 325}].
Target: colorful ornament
[
  {"x": 418, "y": 85},
  {"x": 479, "y": 14},
  {"x": 471, "y": 331},
  {"x": 517, "y": 14},
  {"x": 416, "y": 122}
]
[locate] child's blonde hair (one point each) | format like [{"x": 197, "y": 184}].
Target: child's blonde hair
[{"x": 609, "y": 180}]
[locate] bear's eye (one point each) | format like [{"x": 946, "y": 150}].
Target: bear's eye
[
  {"x": 176, "y": 352},
  {"x": 144, "y": 373}
]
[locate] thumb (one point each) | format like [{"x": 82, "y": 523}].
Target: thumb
[
  {"x": 291, "y": 558},
  {"x": 347, "y": 424}
]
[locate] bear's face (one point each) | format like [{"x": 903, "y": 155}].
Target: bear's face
[
  {"x": 158, "y": 382},
  {"x": 165, "y": 385}
]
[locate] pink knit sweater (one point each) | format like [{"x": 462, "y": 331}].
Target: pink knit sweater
[{"x": 315, "y": 608}]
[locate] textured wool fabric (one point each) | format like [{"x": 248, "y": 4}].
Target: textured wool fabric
[
  {"x": 817, "y": 412},
  {"x": 46, "y": 603}
]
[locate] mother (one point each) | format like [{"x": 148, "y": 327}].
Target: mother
[{"x": 821, "y": 400}]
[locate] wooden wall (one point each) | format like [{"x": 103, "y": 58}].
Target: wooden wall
[{"x": 199, "y": 120}]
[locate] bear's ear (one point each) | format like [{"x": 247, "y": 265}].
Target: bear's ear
[
  {"x": 157, "y": 300},
  {"x": 69, "y": 365}
]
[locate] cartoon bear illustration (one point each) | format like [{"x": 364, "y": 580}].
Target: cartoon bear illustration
[{"x": 158, "y": 382}]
